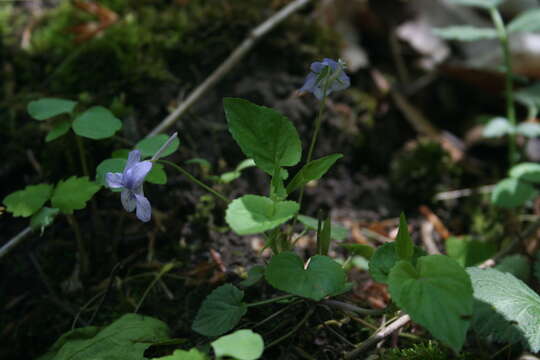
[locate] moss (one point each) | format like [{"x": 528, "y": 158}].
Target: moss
[{"x": 429, "y": 350}]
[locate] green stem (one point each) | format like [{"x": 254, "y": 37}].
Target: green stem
[
  {"x": 269, "y": 301},
  {"x": 195, "y": 180},
  {"x": 83, "y": 252},
  {"x": 507, "y": 58},
  {"x": 82, "y": 155}
]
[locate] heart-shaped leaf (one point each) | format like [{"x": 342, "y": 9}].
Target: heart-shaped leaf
[
  {"x": 96, "y": 123},
  {"x": 241, "y": 345},
  {"x": 437, "y": 294},
  {"x": 220, "y": 311},
  {"x": 384, "y": 259},
  {"x": 510, "y": 192},
  {"x": 322, "y": 276},
  {"x": 253, "y": 214},
  {"x": 47, "y": 108}
]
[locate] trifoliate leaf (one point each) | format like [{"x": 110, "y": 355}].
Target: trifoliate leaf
[
  {"x": 26, "y": 202},
  {"x": 47, "y": 108},
  {"x": 96, "y": 123},
  {"x": 73, "y": 194},
  {"x": 240, "y": 345},
  {"x": 151, "y": 145}
]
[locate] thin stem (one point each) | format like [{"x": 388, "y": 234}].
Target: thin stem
[
  {"x": 350, "y": 307},
  {"x": 82, "y": 155},
  {"x": 294, "y": 329},
  {"x": 269, "y": 301},
  {"x": 16, "y": 240},
  {"x": 195, "y": 180},
  {"x": 81, "y": 245},
  {"x": 166, "y": 268},
  {"x": 510, "y": 110}
]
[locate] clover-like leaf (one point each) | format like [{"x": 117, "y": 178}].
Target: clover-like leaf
[
  {"x": 312, "y": 171},
  {"x": 26, "y": 202},
  {"x": 437, "y": 291},
  {"x": 322, "y": 276},
  {"x": 465, "y": 33},
  {"x": 96, "y": 123},
  {"x": 150, "y": 145},
  {"x": 220, "y": 311},
  {"x": 241, "y": 345},
  {"x": 73, "y": 194},
  {"x": 384, "y": 259},
  {"x": 511, "y": 192},
  {"x": 47, "y": 108},
  {"x": 251, "y": 214},
  {"x": 59, "y": 128}
]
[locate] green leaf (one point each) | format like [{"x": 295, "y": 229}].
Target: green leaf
[
  {"x": 96, "y": 123},
  {"x": 537, "y": 266},
  {"x": 363, "y": 250},
  {"x": 26, "y": 202},
  {"x": 492, "y": 325},
  {"x": 233, "y": 175},
  {"x": 337, "y": 232},
  {"x": 59, "y": 128},
  {"x": 47, "y": 108},
  {"x": 511, "y": 298},
  {"x": 255, "y": 274},
  {"x": 486, "y": 4},
  {"x": 277, "y": 188},
  {"x": 528, "y": 21},
  {"x": 510, "y": 193},
  {"x": 498, "y": 127},
  {"x": 263, "y": 134},
  {"x": 526, "y": 171},
  {"x": 469, "y": 252},
  {"x": 192, "y": 354},
  {"x": 312, "y": 171},
  {"x": 220, "y": 311},
  {"x": 125, "y": 339},
  {"x": 517, "y": 265},
  {"x": 404, "y": 244},
  {"x": 253, "y": 214},
  {"x": 384, "y": 259},
  {"x": 465, "y": 33},
  {"x": 437, "y": 294},
  {"x": 323, "y": 237},
  {"x": 150, "y": 145},
  {"x": 43, "y": 218},
  {"x": 528, "y": 129},
  {"x": 73, "y": 194},
  {"x": 241, "y": 345},
  {"x": 322, "y": 277},
  {"x": 157, "y": 174}
]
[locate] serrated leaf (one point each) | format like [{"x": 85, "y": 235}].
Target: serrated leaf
[
  {"x": 125, "y": 339},
  {"x": 510, "y": 193},
  {"x": 24, "y": 203},
  {"x": 220, "y": 311},
  {"x": 73, "y": 194},
  {"x": 263, "y": 134},
  {"x": 337, "y": 232},
  {"x": 47, "y": 108},
  {"x": 366, "y": 251},
  {"x": 498, "y": 127},
  {"x": 322, "y": 277},
  {"x": 437, "y": 291},
  {"x": 255, "y": 274},
  {"x": 384, "y": 259},
  {"x": 465, "y": 33},
  {"x": 528, "y": 129},
  {"x": 150, "y": 145},
  {"x": 528, "y": 21},
  {"x": 59, "y": 128},
  {"x": 192, "y": 354},
  {"x": 517, "y": 265},
  {"x": 43, "y": 218},
  {"x": 486, "y": 4},
  {"x": 512, "y": 299},
  {"x": 526, "y": 171},
  {"x": 469, "y": 252},
  {"x": 404, "y": 244},
  {"x": 253, "y": 214},
  {"x": 312, "y": 171},
  {"x": 240, "y": 345},
  {"x": 96, "y": 123}
]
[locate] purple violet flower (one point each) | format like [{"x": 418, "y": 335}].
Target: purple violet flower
[
  {"x": 327, "y": 73},
  {"x": 131, "y": 181}
]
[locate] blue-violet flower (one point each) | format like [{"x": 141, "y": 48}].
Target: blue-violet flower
[{"x": 327, "y": 74}]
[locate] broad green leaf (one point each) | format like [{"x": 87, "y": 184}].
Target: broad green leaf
[
  {"x": 526, "y": 171},
  {"x": 498, "y": 127},
  {"x": 337, "y": 232},
  {"x": 156, "y": 176},
  {"x": 322, "y": 277},
  {"x": 255, "y": 274},
  {"x": 510, "y": 193},
  {"x": 120, "y": 153},
  {"x": 384, "y": 259},
  {"x": 47, "y": 108},
  {"x": 469, "y": 252},
  {"x": 192, "y": 354},
  {"x": 240, "y": 345},
  {"x": 26, "y": 202},
  {"x": 263, "y": 134},
  {"x": 511, "y": 298},
  {"x": 363, "y": 250},
  {"x": 312, "y": 171},
  {"x": 125, "y": 339},
  {"x": 73, "y": 194},
  {"x": 404, "y": 244},
  {"x": 59, "y": 128},
  {"x": 437, "y": 294},
  {"x": 465, "y": 33},
  {"x": 151, "y": 145},
  {"x": 486, "y": 4},
  {"x": 517, "y": 265},
  {"x": 96, "y": 123},
  {"x": 220, "y": 311},
  {"x": 528, "y": 21},
  {"x": 253, "y": 214},
  {"x": 43, "y": 218},
  {"x": 528, "y": 129},
  {"x": 492, "y": 325}
]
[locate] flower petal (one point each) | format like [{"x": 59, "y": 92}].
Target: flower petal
[
  {"x": 144, "y": 210},
  {"x": 316, "y": 67},
  {"x": 114, "y": 180},
  {"x": 135, "y": 175},
  {"x": 133, "y": 158},
  {"x": 129, "y": 202},
  {"x": 310, "y": 83}
]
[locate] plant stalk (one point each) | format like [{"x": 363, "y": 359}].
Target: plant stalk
[{"x": 269, "y": 301}]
